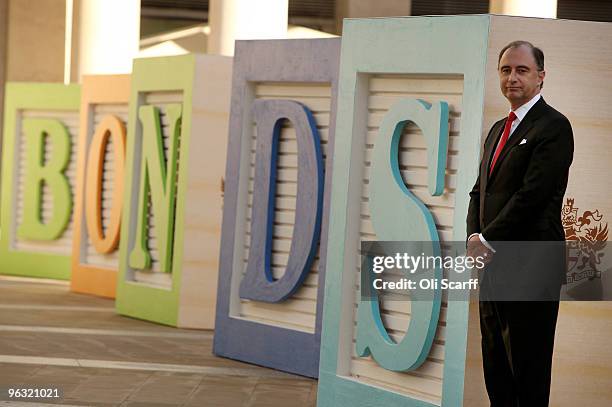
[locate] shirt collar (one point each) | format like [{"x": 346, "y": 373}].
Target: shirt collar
[{"x": 521, "y": 111}]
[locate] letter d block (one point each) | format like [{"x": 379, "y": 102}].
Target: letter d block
[
  {"x": 38, "y": 178},
  {"x": 274, "y": 215},
  {"x": 100, "y": 180},
  {"x": 176, "y": 141}
]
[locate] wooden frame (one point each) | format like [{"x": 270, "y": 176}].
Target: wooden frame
[
  {"x": 269, "y": 333},
  {"x": 435, "y": 65},
  {"x": 113, "y": 93},
  {"x": 188, "y": 100},
  {"x": 52, "y": 103}
]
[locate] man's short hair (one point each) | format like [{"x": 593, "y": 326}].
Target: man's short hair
[{"x": 537, "y": 53}]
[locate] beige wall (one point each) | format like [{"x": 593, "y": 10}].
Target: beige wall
[
  {"x": 578, "y": 56},
  {"x": 36, "y": 40},
  {"x": 3, "y": 43},
  {"x": 378, "y": 8}
]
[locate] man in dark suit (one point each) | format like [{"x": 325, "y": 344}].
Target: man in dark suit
[{"x": 518, "y": 198}]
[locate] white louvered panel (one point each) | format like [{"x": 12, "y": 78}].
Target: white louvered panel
[
  {"x": 62, "y": 245},
  {"x": 90, "y": 255},
  {"x": 299, "y": 312},
  {"x": 154, "y": 276},
  {"x": 384, "y": 90}
]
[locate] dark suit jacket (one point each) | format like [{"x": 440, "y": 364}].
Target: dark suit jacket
[{"x": 523, "y": 197}]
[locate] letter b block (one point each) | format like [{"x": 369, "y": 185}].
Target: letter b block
[{"x": 38, "y": 179}]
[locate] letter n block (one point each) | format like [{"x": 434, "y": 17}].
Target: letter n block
[
  {"x": 176, "y": 145},
  {"x": 276, "y": 192},
  {"x": 41, "y": 125},
  {"x": 100, "y": 181}
]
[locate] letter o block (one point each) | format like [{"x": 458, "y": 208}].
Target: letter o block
[{"x": 100, "y": 184}]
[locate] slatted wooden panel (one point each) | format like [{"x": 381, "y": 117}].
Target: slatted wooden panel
[
  {"x": 155, "y": 276},
  {"x": 62, "y": 245},
  {"x": 299, "y": 312},
  {"x": 90, "y": 255},
  {"x": 312, "y": 8},
  {"x": 448, "y": 7},
  {"x": 384, "y": 91},
  {"x": 589, "y": 10}
]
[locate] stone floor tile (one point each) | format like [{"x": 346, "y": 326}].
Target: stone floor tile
[
  {"x": 166, "y": 388},
  {"x": 312, "y": 398},
  {"x": 85, "y": 403},
  {"x": 106, "y": 387},
  {"x": 223, "y": 391},
  {"x": 272, "y": 393},
  {"x": 12, "y": 373},
  {"x": 87, "y": 394}
]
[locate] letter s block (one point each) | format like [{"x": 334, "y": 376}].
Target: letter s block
[
  {"x": 100, "y": 181},
  {"x": 407, "y": 137},
  {"x": 176, "y": 141},
  {"x": 38, "y": 179}
]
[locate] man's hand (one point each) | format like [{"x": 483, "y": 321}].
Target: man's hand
[{"x": 475, "y": 248}]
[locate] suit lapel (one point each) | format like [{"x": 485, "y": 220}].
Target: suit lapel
[{"x": 524, "y": 126}]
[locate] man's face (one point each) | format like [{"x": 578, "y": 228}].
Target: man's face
[{"x": 519, "y": 77}]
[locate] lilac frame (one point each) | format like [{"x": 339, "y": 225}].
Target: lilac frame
[{"x": 311, "y": 60}]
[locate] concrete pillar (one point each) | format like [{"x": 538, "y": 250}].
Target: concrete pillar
[
  {"x": 106, "y": 37},
  {"x": 526, "y": 8},
  {"x": 232, "y": 20},
  {"x": 3, "y": 44},
  {"x": 35, "y": 50},
  {"x": 378, "y": 8}
]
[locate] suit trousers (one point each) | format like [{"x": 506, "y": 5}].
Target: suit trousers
[{"x": 517, "y": 349}]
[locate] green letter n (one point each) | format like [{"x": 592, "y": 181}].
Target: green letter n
[{"x": 157, "y": 179}]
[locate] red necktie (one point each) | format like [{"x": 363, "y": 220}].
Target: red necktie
[{"x": 502, "y": 141}]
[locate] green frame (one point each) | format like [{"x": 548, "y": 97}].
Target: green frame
[
  {"x": 23, "y": 96},
  {"x": 134, "y": 299},
  {"x": 402, "y": 45}
]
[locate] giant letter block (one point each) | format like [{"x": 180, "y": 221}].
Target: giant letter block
[
  {"x": 407, "y": 142},
  {"x": 276, "y": 196},
  {"x": 38, "y": 179},
  {"x": 176, "y": 140},
  {"x": 396, "y": 71},
  {"x": 99, "y": 189}
]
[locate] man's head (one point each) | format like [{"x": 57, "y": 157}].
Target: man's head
[{"x": 521, "y": 72}]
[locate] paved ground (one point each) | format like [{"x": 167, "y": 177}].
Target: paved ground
[{"x": 50, "y": 337}]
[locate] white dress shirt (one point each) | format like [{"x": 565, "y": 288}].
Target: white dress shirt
[{"x": 520, "y": 113}]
